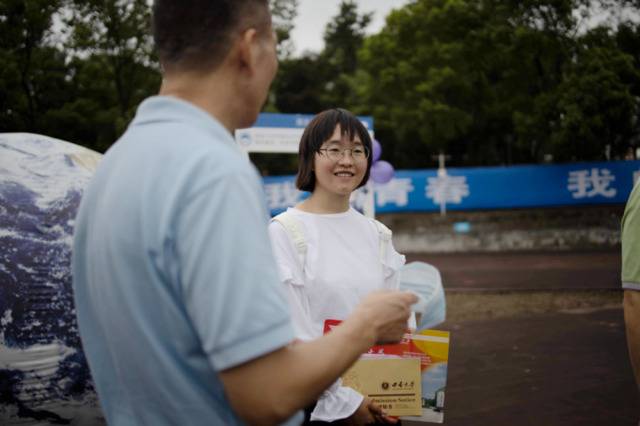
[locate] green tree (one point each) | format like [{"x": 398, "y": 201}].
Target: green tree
[
  {"x": 343, "y": 37},
  {"x": 113, "y": 65},
  {"x": 283, "y": 14},
  {"x": 493, "y": 81},
  {"x": 417, "y": 77},
  {"x": 317, "y": 81},
  {"x": 298, "y": 86},
  {"x": 33, "y": 76},
  {"x": 596, "y": 107}
]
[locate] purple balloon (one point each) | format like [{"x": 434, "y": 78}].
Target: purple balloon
[
  {"x": 377, "y": 150},
  {"x": 381, "y": 172}
]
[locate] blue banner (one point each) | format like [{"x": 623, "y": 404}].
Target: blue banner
[
  {"x": 269, "y": 119},
  {"x": 486, "y": 188}
]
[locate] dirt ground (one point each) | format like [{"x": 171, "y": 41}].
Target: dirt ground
[
  {"x": 536, "y": 339},
  {"x": 575, "y": 270},
  {"x": 552, "y": 369}
]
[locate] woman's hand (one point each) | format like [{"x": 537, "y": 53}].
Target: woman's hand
[
  {"x": 380, "y": 415},
  {"x": 367, "y": 413}
]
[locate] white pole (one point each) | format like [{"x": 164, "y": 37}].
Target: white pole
[
  {"x": 369, "y": 206},
  {"x": 442, "y": 173}
]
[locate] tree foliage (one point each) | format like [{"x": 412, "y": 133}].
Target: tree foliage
[
  {"x": 79, "y": 79},
  {"x": 317, "y": 81},
  {"x": 283, "y": 14},
  {"x": 32, "y": 75},
  {"x": 112, "y": 62},
  {"x": 498, "y": 82},
  {"x": 486, "y": 81}
]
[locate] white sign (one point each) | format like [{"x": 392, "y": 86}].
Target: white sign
[
  {"x": 269, "y": 139},
  {"x": 272, "y": 139}
]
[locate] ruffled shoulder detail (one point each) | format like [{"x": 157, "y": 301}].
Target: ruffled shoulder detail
[
  {"x": 290, "y": 275},
  {"x": 391, "y": 260},
  {"x": 286, "y": 255}
]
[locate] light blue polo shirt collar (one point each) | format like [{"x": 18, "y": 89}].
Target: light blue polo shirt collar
[{"x": 164, "y": 109}]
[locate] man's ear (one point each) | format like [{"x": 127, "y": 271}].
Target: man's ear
[{"x": 247, "y": 48}]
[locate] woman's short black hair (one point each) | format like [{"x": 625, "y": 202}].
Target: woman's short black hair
[
  {"x": 198, "y": 34},
  {"x": 317, "y": 132}
]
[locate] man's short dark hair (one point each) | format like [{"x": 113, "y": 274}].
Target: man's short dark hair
[
  {"x": 197, "y": 34},
  {"x": 318, "y": 131}
]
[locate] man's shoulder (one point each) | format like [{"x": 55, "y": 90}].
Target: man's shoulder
[
  {"x": 171, "y": 167},
  {"x": 176, "y": 143}
]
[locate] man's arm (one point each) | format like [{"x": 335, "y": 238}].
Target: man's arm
[
  {"x": 632, "y": 323},
  {"x": 271, "y": 388}
]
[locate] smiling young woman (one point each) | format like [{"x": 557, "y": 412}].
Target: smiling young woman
[{"x": 341, "y": 261}]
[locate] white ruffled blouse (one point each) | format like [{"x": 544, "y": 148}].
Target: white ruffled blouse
[{"x": 342, "y": 265}]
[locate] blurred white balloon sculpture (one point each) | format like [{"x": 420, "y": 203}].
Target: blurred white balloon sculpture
[{"x": 44, "y": 376}]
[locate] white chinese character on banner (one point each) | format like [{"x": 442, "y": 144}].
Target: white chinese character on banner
[
  {"x": 589, "y": 183},
  {"x": 302, "y": 121},
  {"x": 636, "y": 176},
  {"x": 281, "y": 194},
  {"x": 447, "y": 189},
  {"x": 395, "y": 191}
]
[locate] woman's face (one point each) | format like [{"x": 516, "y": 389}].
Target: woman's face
[{"x": 340, "y": 165}]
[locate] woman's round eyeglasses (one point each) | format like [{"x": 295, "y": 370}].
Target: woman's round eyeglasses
[{"x": 335, "y": 154}]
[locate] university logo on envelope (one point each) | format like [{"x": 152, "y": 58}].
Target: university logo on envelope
[{"x": 392, "y": 383}]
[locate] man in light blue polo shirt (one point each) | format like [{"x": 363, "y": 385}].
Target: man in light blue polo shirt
[{"x": 177, "y": 296}]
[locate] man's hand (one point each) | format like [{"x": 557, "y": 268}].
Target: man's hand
[
  {"x": 270, "y": 388},
  {"x": 387, "y": 313}
]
